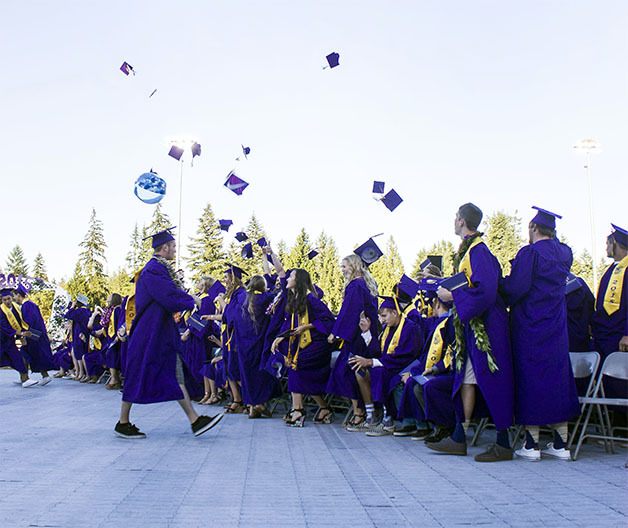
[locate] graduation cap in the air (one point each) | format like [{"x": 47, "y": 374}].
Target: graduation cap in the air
[
  {"x": 369, "y": 252},
  {"x": 262, "y": 242},
  {"x": 126, "y": 68},
  {"x": 545, "y": 218},
  {"x": 333, "y": 59},
  {"x": 620, "y": 235},
  {"x": 175, "y": 152},
  {"x": 235, "y": 270},
  {"x": 161, "y": 237},
  {"x": 235, "y": 184},
  {"x": 241, "y": 236},
  {"x": 246, "y": 151},
  {"x": 225, "y": 224},
  {"x": 432, "y": 260},
  {"x": 196, "y": 149},
  {"x": 378, "y": 187},
  {"x": 312, "y": 253},
  {"x": 247, "y": 251},
  {"x": 392, "y": 200}
]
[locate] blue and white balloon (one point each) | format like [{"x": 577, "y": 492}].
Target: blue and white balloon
[{"x": 150, "y": 188}]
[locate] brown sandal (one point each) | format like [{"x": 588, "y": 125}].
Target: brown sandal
[{"x": 235, "y": 408}]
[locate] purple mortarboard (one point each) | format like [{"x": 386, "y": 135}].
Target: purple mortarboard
[
  {"x": 407, "y": 286},
  {"x": 196, "y": 150},
  {"x": 434, "y": 260},
  {"x": 262, "y": 242},
  {"x": 312, "y": 254},
  {"x": 429, "y": 287},
  {"x": 235, "y": 184},
  {"x": 4, "y": 292},
  {"x": 454, "y": 282},
  {"x": 247, "y": 251},
  {"x": 572, "y": 284},
  {"x": 378, "y": 187},
  {"x": 21, "y": 289},
  {"x": 161, "y": 238},
  {"x": 246, "y": 150},
  {"x": 175, "y": 152},
  {"x": 392, "y": 200},
  {"x": 225, "y": 224},
  {"x": 235, "y": 270},
  {"x": 545, "y": 218},
  {"x": 333, "y": 59},
  {"x": 388, "y": 302},
  {"x": 241, "y": 236},
  {"x": 369, "y": 252},
  {"x": 620, "y": 235},
  {"x": 126, "y": 68}
]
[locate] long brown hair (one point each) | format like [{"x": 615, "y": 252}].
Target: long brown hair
[
  {"x": 233, "y": 283},
  {"x": 297, "y": 296},
  {"x": 255, "y": 286}
]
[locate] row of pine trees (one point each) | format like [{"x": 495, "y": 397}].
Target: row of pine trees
[{"x": 207, "y": 255}]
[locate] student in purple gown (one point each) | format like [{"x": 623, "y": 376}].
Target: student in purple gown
[
  {"x": 250, "y": 324},
  {"x": 111, "y": 322},
  {"x": 94, "y": 360},
  {"x": 610, "y": 319},
  {"x": 483, "y": 357},
  {"x": 126, "y": 324},
  {"x": 79, "y": 314},
  {"x": 153, "y": 365},
  {"x": 308, "y": 353},
  {"x": 360, "y": 299},
  {"x": 38, "y": 346},
  {"x": 276, "y": 309},
  {"x": 12, "y": 328},
  {"x": 580, "y": 306},
  {"x": 378, "y": 374},
  {"x": 545, "y": 389}
]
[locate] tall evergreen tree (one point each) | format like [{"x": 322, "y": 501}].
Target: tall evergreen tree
[
  {"x": 297, "y": 257},
  {"x": 77, "y": 283},
  {"x": 159, "y": 222},
  {"x": 388, "y": 269},
  {"x": 91, "y": 261},
  {"x": 503, "y": 237},
  {"x": 120, "y": 282},
  {"x": 443, "y": 248},
  {"x": 134, "y": 258},
  {"x": 582, "y": 266},
  {"x": 39, "y": 268},
  {"x": 282, "y": 251},
  {"x": 327, "y": 274},
  {"x": 16, "y": 262},
  {"x": 206, "y": 256}
]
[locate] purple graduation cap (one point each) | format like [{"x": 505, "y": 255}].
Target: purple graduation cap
[
  {"x": 545, "y": 218},
  {"x": 247, "y": 251},
  {"x": 225, "y": 224},
  {"x": 333, "y": 59},
  {"x": 126, "y": 68},
  {"x": 407, "y": 286},
  {"x": 235, "y": 271},
  {"x": 388, "y": 302},
  {"x": 161, "y": 237},
  {"x": 434, "y": 260},
  {"x": 6, "y": 292},
  {"x": 312, "y": 254},
  {"x": 175, "y": 152},
  {"x": 378, "y": 187},
  {"x": 392, "y": 200},
  {"x": 196, "y": 150},
  {"x": 262, "y": 242},
  {"x": 620, "y": 235},
  {"x": 369, "y": 252},
  {"x": 235, "y": 184},
  {"x": 241, "y": 236},
  {"x": 246, "y": 151}
]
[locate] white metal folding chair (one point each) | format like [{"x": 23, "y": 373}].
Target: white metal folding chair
[
  {"x": 614, "y": 366},
  {"x": 584, "y": 365}
]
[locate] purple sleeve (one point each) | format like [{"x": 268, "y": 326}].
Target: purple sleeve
[
  {"x": 518, "y": 283},
  {"x": 164, "y": 291},
  {"x": 5, "y": 327},
  {"x": 474, "y": 302},
  {"x": 320, "y": 316},
  {"x": 348, "y": 320}
]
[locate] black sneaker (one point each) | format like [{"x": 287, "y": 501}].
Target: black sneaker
[
  {"x": 128, "y": 430},
  {"x": 408, "y": 430},
  {"x": 205, "y": 423}
]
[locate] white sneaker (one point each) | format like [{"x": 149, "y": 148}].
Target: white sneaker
[
  {"x": 29, "y": 383},
  {"x": 562, "y": 453},
  {"x": 44, "y": 381},
  {"x": 528, "y": 454}
]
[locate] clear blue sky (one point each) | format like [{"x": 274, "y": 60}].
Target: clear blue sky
[{"x": 445, "y": 101}]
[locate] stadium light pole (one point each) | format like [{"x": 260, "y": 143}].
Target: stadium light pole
[{"x": 590, "y": 146}]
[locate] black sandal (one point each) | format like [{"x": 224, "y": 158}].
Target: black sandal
[
  {"x": 356, "y": 419},
  {"x": 296, "y": 422},
  {"x": 327, "y": 419},
  {"x": 238, "y": 409}
]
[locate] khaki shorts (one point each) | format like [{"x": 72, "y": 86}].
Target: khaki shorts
[
  {"x": 179, "y": 371},
  {"x": 469, "y": 374}
]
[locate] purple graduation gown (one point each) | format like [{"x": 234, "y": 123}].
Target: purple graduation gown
[
  {"x": 62, "y": 358},
  {"x": 482, "y": 300},
  {"x": 38, "y": 351},
  {"x": 229, "y": 352},
  {"x": 154, "y": 341},
  {"x": 311, "y": 373},
  {"x": 545, "y": 389},
  {"x": 609, "y": 329},
  {"x": 277, "y": 316},
  {"x": 357, "y": 299},
  {"x": 258, "y": 386},
  {"x": 95, "y": 358},
  {"x": 113, "y": 345},
  {"x": 9, "y": 354},
  {"x": 580, "y": 305},
  {"x": 79, "y": 317}
]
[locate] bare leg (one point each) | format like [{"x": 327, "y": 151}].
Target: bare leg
[
  {"x": 186, "y": 405},
  {"x": 319, "y": 400},
  {"x": 235, "y": 391},
  {"x": 115, "y": 376},
  {"x": 297, "y": 400},
  {"x": 212, "y": 387},
  {"x": 364, "y": 384},
  {"x": 125, "y": 412},
  {"x": 467, "y": 393}
]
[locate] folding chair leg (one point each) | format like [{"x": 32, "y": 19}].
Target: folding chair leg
[
  {"x": 347, "y": 416},
  {"x": 583, "y": 432},
  {"x": 478, "y": 431}
]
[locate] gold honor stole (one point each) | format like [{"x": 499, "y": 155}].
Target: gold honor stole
[
  {"x": 465, "y": 263},
  {"x": 305, "y": 339},
  {"x": 394, "y": 342},
  {"x": 111, "y": 327},
  {"x": 612, "y": 295},
  {"x": 18, "y": 326},
  {"x": 435, "y": 353}
]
